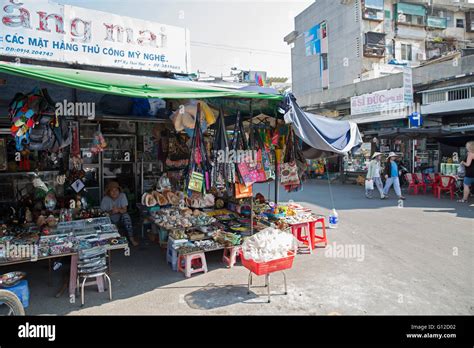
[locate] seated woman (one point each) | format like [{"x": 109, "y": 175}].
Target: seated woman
[{"x": 115, "y": 203}]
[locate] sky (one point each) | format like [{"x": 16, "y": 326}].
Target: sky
[{"x": 244, "y": 34}]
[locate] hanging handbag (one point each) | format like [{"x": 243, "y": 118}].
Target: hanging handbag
[
  {"x": 263, "y": 160},
  {"x": 220, "y": 168},
  {"x": 197, "y": 169},
  {"x": 243, "y": 191},
  {"x": 289, "y": 169},
  {"x": 247, "y": 168},
  {"x": 196, "y": 182},
  {"x": 261, "y": 176},
  {"x": 289, "y": 174}
]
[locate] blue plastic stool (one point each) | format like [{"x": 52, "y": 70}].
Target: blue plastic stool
[
  {"x": 22, "y": 291},
  {"x": 172, "y": 256}
]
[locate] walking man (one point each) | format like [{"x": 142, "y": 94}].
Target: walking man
[
  {"x": 391, "y": 176},
  {"x": 373, "y": 174}
]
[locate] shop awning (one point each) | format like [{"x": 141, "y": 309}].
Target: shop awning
[
  {"x": 128, "y": 85},
  {"x": 322, "y": 133},
  {"x": 431, "y": 132},
  {"x": 411, "y": 9}
]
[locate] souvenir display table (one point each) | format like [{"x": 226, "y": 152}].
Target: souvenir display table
[
  {"x": 190, "y": 234},
  {"x": 65, "y": 240}
]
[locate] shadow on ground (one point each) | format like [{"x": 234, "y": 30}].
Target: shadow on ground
[
  {"x": 146, "y": 270},
  {"x": 212, "y": 296}
]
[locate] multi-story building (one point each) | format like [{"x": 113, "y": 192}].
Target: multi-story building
[
  {"x": 356, "y": 40},
  {"x": 348, "y": 57}
]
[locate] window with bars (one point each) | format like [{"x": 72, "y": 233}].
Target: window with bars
[
  {"x": 374, "y": 44},
  {"x": 458, "y": 94},
  {"x": 443, "y": 96},
  {"x": 411, "y": 19},
  {"x": 373, "y": 10},
  {"x": 470, "y": 22}
]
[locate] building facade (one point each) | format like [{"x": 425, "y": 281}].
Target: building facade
[
  {"x": 361, "y": 37},
  {"x": 351, "y": 59}
]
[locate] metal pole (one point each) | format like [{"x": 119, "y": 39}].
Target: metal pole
[
  {"x": 277, "y": 187},
  {"x": 252, "y": 149},
  {"x": 412, "y": 143}
]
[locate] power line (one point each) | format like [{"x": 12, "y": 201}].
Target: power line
[{"x": 237, "y": 48}]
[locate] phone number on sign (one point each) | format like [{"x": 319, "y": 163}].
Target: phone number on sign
[{"x": 26, "y": 51}]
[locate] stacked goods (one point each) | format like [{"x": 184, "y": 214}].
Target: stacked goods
[
  {"x": 269, "y": 244},
  {"x": 227, "y": 239},
  {"x": 175, "y": 218}
]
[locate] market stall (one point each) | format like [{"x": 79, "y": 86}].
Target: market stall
[{"x": 189, "y": 172}]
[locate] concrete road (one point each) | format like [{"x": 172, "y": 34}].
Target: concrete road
[{"x": 383, "y": 259}]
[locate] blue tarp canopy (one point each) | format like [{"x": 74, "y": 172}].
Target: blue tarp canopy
[{"x": 321, "y": 133}]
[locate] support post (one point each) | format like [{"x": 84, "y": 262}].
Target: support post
[
  {"x": 252, "y": 145},
  {"x": 277, "y": 178}
]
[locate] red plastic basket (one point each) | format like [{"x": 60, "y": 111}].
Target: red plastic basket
[{"x": 261, "y": 268}]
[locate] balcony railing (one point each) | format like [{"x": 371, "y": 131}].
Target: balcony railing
[{"x": 374, "y": 51}]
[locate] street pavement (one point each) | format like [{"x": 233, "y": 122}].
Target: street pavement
[{"x": 382, "y": 259}]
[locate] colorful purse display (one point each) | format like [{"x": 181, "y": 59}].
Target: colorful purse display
[{"x": 247, "y": 169}]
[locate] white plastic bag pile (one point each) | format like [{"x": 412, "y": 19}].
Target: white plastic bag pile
[{"x": 269, "y": 244}]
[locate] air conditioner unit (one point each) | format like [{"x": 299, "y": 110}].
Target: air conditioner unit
[{"x": 420, "y": 56}]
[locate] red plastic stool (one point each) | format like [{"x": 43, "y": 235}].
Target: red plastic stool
[
  {"x": 230, "y": 255},
  {"x": 186, "y": 263},
  {"x": 302, "y": 232},
  {"x": 315, "y": 239}
]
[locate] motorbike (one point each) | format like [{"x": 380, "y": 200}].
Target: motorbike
[
  {"x": 402, "y": 169},
  {"x": 10, "y": 304}
]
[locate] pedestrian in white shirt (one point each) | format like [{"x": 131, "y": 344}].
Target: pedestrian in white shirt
[{"x": 373, "y": 175}]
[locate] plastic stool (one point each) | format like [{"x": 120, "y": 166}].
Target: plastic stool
[
  {"x": 185, "y": 263},
  {"x": 303, "y": 234},
  {"x": 22, "y": 291},
  {"x": 315, "y": 239},
  {"x": 163, "y": 238},
  {"x": 230, "y": 255},
  {"x": 172, "y": 256}
]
